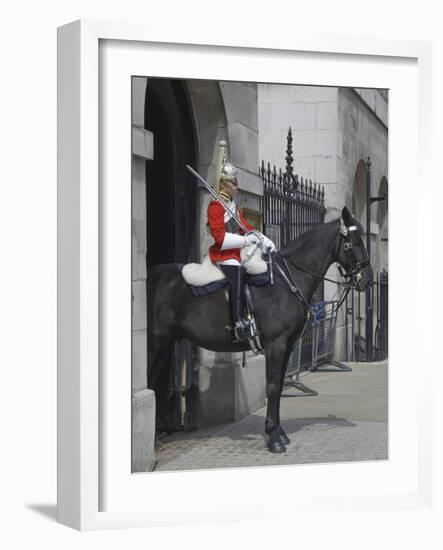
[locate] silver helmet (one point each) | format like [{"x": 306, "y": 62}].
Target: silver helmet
[{"x": 228, "y": 172}]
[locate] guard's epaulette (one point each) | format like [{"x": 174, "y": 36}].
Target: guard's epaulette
[{"x": 215, "y": 201}]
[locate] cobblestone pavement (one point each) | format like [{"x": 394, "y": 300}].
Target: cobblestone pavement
[{"x": 347, "y": 421}]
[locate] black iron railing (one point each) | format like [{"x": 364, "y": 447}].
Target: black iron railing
[
  {"x": 356, "y": 333},
  {"x": 291, "y": 205}
]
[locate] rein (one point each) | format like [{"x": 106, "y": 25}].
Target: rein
[
  {"x": 354, "y": 275},
  {"x": 289, "y": 278},
  {"x": 287, "y": 261}
]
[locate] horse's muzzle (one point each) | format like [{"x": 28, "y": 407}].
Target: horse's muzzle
[{"x": 365, "y": 279}]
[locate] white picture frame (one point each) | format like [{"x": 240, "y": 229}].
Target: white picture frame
[{"x": 81, "y": 394}]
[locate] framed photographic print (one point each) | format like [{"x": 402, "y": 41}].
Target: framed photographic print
[{"x": 180, "y": 164}]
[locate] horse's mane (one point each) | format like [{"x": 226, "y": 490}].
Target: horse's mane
[{"x": 304, "y": 244}]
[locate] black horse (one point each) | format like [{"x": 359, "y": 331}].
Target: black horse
[{"x": 174, "y": 313}]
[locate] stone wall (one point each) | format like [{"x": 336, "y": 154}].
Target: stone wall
[
  {"x": 311, "y": 112},
  {"x": 334, "y": 131},
  {"x": 332, "y": 128},
  {"x": 363, "y": 119},
  {"x": 227, "y": 111},
  {"x": 143, "y": 400},
  {"x": 240, "y": 101}
]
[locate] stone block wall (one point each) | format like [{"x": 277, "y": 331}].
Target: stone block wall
[
  {"x": 311, "y": 112},
  {"x": 240, "y": 102},
  {"x": 363, "y": 127},
  {"x": 143, "y": 400},
  {"x": 333, "y": 129}
]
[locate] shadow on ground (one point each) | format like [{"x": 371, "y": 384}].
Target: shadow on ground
[{"x": 253, "y": 426}]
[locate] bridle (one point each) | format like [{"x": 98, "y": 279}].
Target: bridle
[{"x": 353, "y": 275}]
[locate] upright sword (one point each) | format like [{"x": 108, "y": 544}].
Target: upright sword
[
  {"x": 218, "y": 198},
  {"x": 235, "y": 218}
]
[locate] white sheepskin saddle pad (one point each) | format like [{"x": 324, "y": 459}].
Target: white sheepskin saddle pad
[{"x": 208, "y": 272}]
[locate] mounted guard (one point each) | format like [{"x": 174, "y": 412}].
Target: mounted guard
[
  {"x": 230, "y": 237},
  {"x": 231, "y": 234}
]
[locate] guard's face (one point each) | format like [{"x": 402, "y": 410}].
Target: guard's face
[{"x": 231, "y": 187}]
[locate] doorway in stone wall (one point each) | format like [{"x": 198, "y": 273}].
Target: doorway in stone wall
[{"x": 171, "y": 212}]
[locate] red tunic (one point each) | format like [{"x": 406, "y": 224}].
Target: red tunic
[{"x": 217, "y": 218}]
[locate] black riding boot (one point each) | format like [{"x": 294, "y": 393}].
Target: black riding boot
[{"x": 242, "y": 327}]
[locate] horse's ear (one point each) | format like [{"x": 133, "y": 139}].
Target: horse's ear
[{"x": 346, "y": 216}]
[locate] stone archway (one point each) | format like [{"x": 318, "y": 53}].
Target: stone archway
[
  {"x": 171, "y": 193},
  {"x": 210, "y": 121},
  {"x": 171, "y": 227}
]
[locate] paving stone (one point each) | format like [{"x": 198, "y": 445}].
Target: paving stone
[
  {"x": 353, "y": 431},
  {"x": 325, "y": 443}
]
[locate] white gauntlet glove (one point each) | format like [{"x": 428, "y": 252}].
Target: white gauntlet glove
[
  {"x": 267, "y": 244},
  {"x": 251, "y": 238},
  {"x": 232, "y": 240}
]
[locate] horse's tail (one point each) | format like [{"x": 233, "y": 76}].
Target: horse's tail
[
  {"x": 157, "y": 279},
  {"x": 153, "y": 291},
  {"x": 153, "y": 279},
  {"x": 161, "y": 282}
]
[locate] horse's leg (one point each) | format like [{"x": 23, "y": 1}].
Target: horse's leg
[
  {"x": 275, "y": 363},
  {"x": 281, "y": 432}
]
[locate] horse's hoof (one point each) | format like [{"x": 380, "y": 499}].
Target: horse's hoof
[
  {"x": 277, "y": 447},
  {"x": 284, "y": 439}
]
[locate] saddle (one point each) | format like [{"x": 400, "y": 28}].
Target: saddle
[{"x": 207, "y": 277}]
